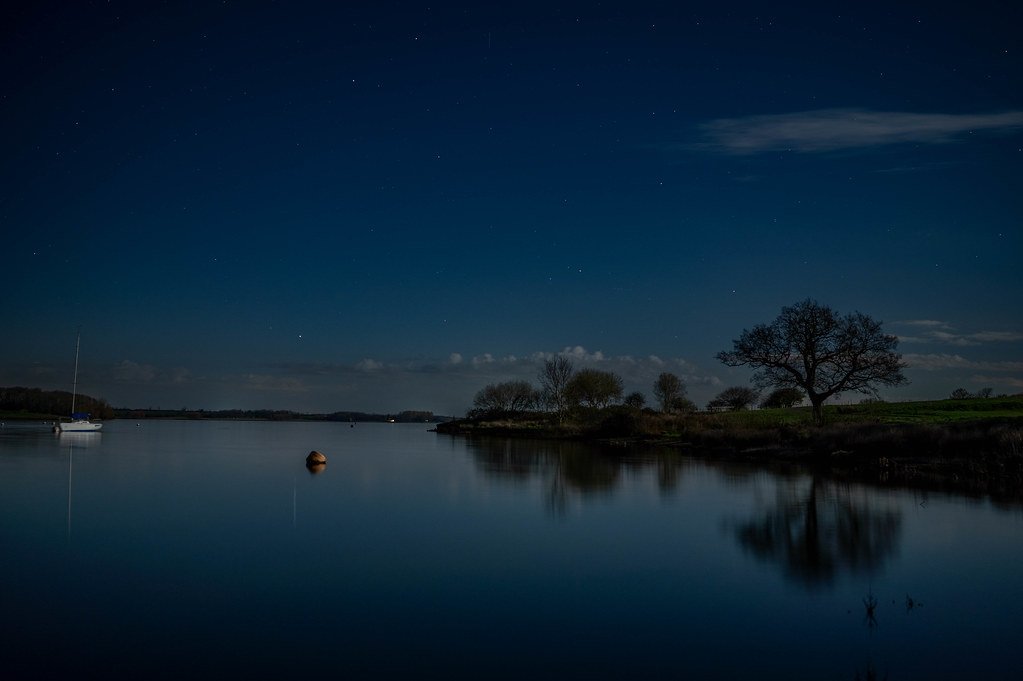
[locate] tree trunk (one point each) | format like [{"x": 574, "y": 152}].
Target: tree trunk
[{"x": 818, "y": 409}]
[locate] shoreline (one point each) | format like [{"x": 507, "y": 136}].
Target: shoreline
[{"x": 978, "y": 458}]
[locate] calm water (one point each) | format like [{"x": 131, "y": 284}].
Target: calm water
[{"x": 206, "y": 549}]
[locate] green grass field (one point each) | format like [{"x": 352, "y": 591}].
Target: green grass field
[
  {"x": 935, "y": 411},
  {"x": 938, "y": 411}
]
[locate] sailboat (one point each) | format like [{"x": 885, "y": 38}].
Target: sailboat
[{"x": 80, "y": 422}]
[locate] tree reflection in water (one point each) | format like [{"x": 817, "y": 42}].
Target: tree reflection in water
[
  {"x": 816, "y": 529},
  {"x": 819, "y": 531},
  {"x": 569, "y": 468}
]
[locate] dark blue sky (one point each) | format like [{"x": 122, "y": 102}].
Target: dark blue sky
[{"x": 385, "y": 206}]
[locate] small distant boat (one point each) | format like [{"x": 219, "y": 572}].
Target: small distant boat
[{"x": 80, "y": 422}]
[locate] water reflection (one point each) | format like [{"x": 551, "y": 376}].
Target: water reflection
[
  {"x": 570, "y": 468},
  {"x": 79, "y": 440},
  {"x": 70, "y": 465},
  {"x": 72, "y": 441},
  {"x": 870, "y": 611},
  {"x": 447, "y": 550},
  {"x": 818, "y": 529},
  {"x": 870, "y": 674}
]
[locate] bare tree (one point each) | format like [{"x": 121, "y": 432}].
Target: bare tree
[
  {"x": 669, "y": 389},
  {"x": 506, "y": 397},
  {"x": 783, "y": 398},
  {"x": 594, "y": 388},
  {"x": 554, "y": 376},
  {"x": 635, "y": 400},
  {"x": 810, "y": 346},
  {"x": 734, "y": 398}
]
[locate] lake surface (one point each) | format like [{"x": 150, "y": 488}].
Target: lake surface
[{"x": 205, "y": 549}]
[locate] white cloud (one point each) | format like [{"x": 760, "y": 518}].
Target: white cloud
[
  {"x": 455, "y": 358},
  {"x": 931, "y": 331},
  {"x": 937, "y": 362},
  {"x": 369, "y": 365},
  {"x": 929, "y": 323},
  {"x": 579, "y": 352},
  {"x": 485, "y": 358},
  {"x": 951, "y": 338},
  {"x": 826, "y": 130}
]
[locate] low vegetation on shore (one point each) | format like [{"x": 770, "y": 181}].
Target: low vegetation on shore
[
  {"x": 972, "y": 445},
  {"x": 792, "y": 424}
]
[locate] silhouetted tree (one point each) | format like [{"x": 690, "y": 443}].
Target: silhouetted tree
[
  {"x": 594, "y": 388},
  {"x": 809, "y": 346},
  {"x": 504, "y": 397},
  {"x": 52, "y": 402},
  {"x": 960, "y": 394},
  {"x": 635, "y": 400},
  {"x": 734, "y": 398},
  {"x": 668, "y": 388},
  {"x": 683, "y": 405},
  {"x": 783, "y": 397},
  {"x": 985, "y": 393},
  {"x": 554, "y": 376}
]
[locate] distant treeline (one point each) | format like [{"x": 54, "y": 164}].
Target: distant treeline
[
  {"x": 36, "y": 403},
  {"x": 53, "y": 403},
  {"x": 279, "y": 415}
]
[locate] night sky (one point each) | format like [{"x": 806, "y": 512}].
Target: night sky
[{"x": 385, "y": 206}]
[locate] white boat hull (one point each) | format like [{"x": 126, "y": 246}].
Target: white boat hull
[{"x": 79, "y": 427}]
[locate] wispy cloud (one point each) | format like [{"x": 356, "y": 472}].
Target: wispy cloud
[
  {"x": 128, "y": 371},
  {"x": 928, "y": 323},
  {"x": 826, "y": 130},
  {"x": 368, "y": 365},
  {"x": 634, "y": 370},
  {"x": 1012, "y": 382},
  {"x": 996, "y": 336},
  {"x": 133, "y": 372},
  {"x": 937, "y": 362},
  {"x": 963, "y": 340},
  {"x": 488, "y": 367},
  {"x": 943, "y": 333}
]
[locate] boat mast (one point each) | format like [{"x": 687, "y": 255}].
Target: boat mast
[{"x": 74, "y": 387}]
